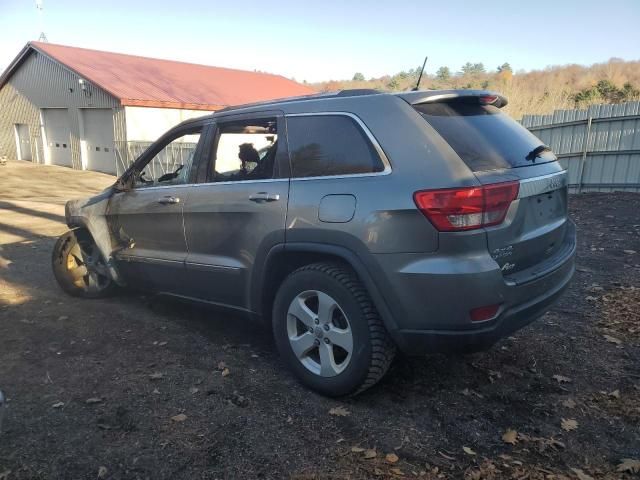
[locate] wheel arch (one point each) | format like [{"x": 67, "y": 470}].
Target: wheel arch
[{"x": 283, "y": 259}]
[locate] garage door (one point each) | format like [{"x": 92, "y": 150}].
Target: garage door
[
  {"x": 98, "y": 137},
  {"x": 58, "y": 134}
]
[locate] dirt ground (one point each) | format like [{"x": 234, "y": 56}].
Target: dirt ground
[{"x": 132, "y": 386}]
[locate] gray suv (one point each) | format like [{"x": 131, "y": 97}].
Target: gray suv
[{"x": 354, "y": 224}]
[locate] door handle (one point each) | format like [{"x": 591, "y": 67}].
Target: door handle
[
  {"x": 262, "y": 197},
  {"x": 168, "y": 200}
]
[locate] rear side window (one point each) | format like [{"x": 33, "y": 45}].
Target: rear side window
[
  {"x": 326, "y": 145},
  {"x": 483, "y": 137}
]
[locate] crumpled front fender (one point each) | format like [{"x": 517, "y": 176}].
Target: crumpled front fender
[{"x": 91, "y": 213}]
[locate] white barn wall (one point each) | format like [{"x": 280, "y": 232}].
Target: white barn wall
[{"x": 146, "y": 124}]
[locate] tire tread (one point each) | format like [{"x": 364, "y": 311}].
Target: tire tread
[{"x": 383, "y": 349}]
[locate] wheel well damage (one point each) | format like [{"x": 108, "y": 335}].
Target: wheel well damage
[{"x": 91, "y": 214}]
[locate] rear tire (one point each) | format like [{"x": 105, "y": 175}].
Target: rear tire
[
  {"x": 328, "y": 331},
  {"x": 78, "y": 266}
]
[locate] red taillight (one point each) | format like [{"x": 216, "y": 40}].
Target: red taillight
[
  {"x": 467, "y": 208},
  {"x": 481, "y": 314}
]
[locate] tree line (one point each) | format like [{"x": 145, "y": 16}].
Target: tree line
[{"x": 534, "y": 92}]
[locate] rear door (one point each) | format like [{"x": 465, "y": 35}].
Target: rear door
[
  {"x": 498, "y": 149},
  {"x": 147, "y": 219},
  {"x": 238, "y": 211}
]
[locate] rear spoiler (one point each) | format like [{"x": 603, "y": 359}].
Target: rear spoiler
[{"x": 484, "y": 97}]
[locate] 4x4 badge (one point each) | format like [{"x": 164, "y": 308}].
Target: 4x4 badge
[{"x": 554, "y": 183}]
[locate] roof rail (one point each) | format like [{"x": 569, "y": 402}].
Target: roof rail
[{"x": 355, "y": 92}]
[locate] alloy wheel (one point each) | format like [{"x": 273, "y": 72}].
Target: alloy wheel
[{"x": 319, "y": 333}]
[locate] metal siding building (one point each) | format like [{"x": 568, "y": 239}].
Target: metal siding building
[
  {"x": 42, "y": 89},
  {"x": 96, "y": 110}
]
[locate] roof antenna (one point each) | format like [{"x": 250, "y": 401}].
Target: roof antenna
[
  {"x": 40, "y": 8},
  {"x": 417, "y": 87}
]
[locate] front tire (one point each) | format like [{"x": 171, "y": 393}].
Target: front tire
[
  {"x": 79, "y": 267},
  {"x": 328, "y": 331}
]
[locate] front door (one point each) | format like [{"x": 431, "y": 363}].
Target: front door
[
  {"x": 146, "y": 220},
  {"x": 238, "y": 213}
]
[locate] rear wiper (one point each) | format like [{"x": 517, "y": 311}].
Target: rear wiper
[{"x": 536, "y": 152}]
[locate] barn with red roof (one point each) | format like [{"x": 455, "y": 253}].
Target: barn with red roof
[{"x": 96, "y": 110}]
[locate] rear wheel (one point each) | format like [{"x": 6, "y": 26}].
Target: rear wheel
[
  {"x": 328, "y": 331},
  {"x": 79, "y": 267}
]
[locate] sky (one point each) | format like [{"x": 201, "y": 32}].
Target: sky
[{"x": 324, "y": 40}]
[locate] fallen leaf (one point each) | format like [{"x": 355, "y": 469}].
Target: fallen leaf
[
  {"x": 568, "y": 424},
  {"x": 391, "y": 458},
  {"x": 561, "y": 379},
  {"x": 225, "y": 372},
  {"x": 370, "y": 454},
  {"x": 611, "y": 339},
  {"x": 615, "y": 394},
  {"x": 581, "y": 475},
  {"x": 357, "y": 449},
  {"x": 102, "y": 472},
  {"x": 156, "y": 391},
  {"x": 339, "y": 412},
  {"x": 377, "y": 472},
  {"x": 448, "y": 457},
  {"x": 156, "y": 376},
  {"x": 569, "y": 403},
  {"x": 181, "y": 417},
  {"x": 194, "y": 390},
  {"x": 162, "y": 344},
  {"x": 468, "y": 451},
  {"x": 58, "y": 405},
  {"x": 629, "y": 465},
  {"x": 397, "y": 471},
  {"x": 91, "y": 401},
  {"x": 510, "y": 436}
]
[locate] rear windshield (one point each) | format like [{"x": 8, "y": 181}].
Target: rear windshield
[{"x": 483, "y": 137}]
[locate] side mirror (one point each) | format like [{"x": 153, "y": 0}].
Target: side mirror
[{"x": 122, "y": 185}]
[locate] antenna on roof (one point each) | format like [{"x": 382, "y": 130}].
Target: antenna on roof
[
  {"x": 417, "y": 87},
  {"x": 40, "y": 8}
]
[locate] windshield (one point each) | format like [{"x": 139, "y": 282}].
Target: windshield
[{"x": 483, "y": 137}]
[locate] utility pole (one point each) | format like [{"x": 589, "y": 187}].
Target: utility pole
[{"x": 40, "y": 8}]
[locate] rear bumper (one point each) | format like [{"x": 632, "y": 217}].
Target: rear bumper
[{"x": 438, "y": 320}]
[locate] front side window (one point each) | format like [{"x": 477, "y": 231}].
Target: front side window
[
  {"x": 246, "y": 150},
  {"x": 326, "y": 145},
  {"x": 172, "y": 164}
]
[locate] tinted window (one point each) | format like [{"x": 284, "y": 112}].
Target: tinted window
[
  {"x": 246, "y": 150},
  {"x": 329, "y": 145},
  {"x": 483, "y": 137},
  {"x": 172, "y": 164}
]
